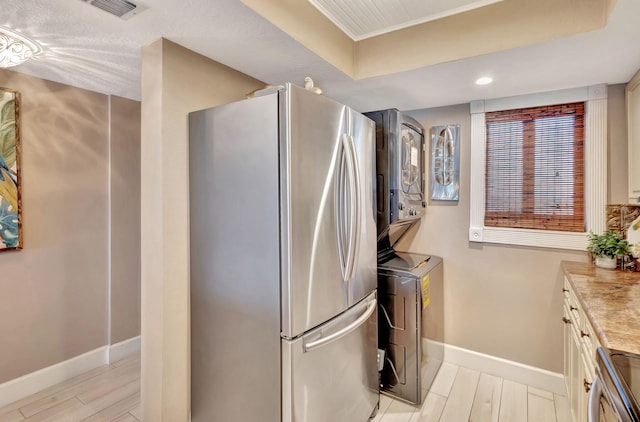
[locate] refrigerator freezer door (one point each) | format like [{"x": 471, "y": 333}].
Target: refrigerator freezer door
[
  {"x": 331, "y": 373},
  {"x": 326, "y": 209}
]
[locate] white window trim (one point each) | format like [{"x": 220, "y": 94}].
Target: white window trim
[{"x": 595, "y": 168}]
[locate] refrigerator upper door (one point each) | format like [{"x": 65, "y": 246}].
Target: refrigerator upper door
[
  {"x": 364, "y": 278},
  {"x": 326, "y": 188},
  {"x": 331, "y": 373}
]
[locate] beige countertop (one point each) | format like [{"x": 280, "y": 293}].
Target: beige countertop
[{"x": 611, "y": 300}]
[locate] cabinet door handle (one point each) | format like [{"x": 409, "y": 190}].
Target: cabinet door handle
[
  {"x": 566, "y": 320},
  {"x": 565, "y": 290},
  {"x": 587, "y": 385},
  {"x": 583, "y": 334},
  {"x": 572, "y": 308}
]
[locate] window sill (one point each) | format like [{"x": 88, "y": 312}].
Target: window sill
[{"x": 524, "y": 237}]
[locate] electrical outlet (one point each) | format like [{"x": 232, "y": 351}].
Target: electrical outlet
[{"x": 475, "y": 234}]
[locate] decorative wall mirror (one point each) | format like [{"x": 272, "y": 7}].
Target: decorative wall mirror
[{"x": 445, "y": 162}]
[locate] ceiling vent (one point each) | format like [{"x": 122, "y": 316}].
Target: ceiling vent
[{"x": 121, "y": 8}]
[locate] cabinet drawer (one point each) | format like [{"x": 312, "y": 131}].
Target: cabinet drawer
[
  {"x": 591, "y": 342},
  {"x": 571, "y": 301},
  {"x": 576, "y": 310},
  {"x": 566, "y": 288},
  {"x": 586, "y": 334},
  {"x": 585, "y": 351},
  {"x": 588, "y": 373}
]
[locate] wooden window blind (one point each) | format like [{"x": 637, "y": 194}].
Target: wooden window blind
[{"x": 535, "y": 168}]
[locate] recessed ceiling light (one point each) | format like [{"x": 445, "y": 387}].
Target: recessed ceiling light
[
  {"x": 485, "y": 80},
  {"x": 15, "y": 48}
]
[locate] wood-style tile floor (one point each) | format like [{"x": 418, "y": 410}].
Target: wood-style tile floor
[
  {"x": 107, "y": 393},
  {"x": 112, "y": 393},
  {"x": 460, "y": 394}
]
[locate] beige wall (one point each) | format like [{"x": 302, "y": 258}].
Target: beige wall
[
  {"x": 499, "y": 300},
  {"x": 617, "y": 151},
  {"x": 175, "y": 81},
  {"x": 125, "y": 219},
  {"x": 54, "y": 294}
]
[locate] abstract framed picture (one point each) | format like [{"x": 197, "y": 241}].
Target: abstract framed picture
[
  {"x": 10, "y": 198},
  {"x": 445, "y": 162}
]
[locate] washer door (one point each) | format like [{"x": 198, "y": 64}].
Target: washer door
[{"x": 411, "y": 161}]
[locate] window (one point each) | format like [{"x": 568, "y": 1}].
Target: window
[
  {"x": 538, "y": 168},
  {"x": 535, "y": 168}
]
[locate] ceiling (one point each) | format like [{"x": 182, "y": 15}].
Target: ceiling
[
  {"x": 89, "y": 48},
  {"x": 361, "y": 19}
]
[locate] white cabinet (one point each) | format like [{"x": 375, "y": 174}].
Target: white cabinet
[
  {"x": 580, "y": 345},
  {"x": 633, "y": 128}
]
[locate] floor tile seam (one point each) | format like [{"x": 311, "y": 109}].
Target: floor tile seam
[
  {"x": 475, "y": 392},
  {"x": 453, "y": 382},
  {"x": 556, "y": 409},
  {"x": 83, "y": 386},
  {"x": 500, "y": 401},
  {"x": 55, "y": 389},
  {"x": 52, "y": 407},
  {"x": 500, "y": 398},
  {"x": 536, "y": 390},
  {"x": 540, "y": 397},
  {"x": 123, "y": 412},
  {"x": 128, "y": 409},
  {"x": 97, "y": 406},
  {"x": 122, "y": 381},
  {"x": 553, "y": 402}
]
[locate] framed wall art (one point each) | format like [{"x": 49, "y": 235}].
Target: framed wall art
[
  {"x": 10, "y": 201},
  {"x": 445, "y": 162}
]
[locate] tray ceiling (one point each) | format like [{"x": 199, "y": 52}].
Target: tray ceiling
[
  {"x": 86, "y": 47},
  {"x": 361, "y": 19}
]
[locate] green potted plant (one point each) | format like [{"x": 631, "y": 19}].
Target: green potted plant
[{"x": 607, "y": 248}]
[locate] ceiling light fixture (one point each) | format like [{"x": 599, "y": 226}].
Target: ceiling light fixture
[
  {"x": 16, "y": 49},
  {"x": 485, "y": 80}
]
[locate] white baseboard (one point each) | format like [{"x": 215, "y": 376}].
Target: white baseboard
[
  {"x": 26, "y": 385},
  {"x": 507, "y": 369},
  {"x": 124, "y": 349}
]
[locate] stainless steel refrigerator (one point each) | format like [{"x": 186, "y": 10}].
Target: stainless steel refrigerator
[{"x": 283, "y": 260}]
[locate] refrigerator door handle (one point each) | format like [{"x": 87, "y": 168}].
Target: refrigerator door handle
[
  {"x": 341, "y": 208},
  {"x": 354, "y": 205},
  {"x": 371, "y": 307}
]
